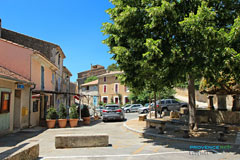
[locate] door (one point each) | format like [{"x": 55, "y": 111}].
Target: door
[
  {"x": 175, "y": 104},
  {"x": 17, "y": 110},
  {"x": 116, "y": 100}
]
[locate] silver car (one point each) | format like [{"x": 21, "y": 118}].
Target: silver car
[
  {"x": 112, "y": 112},
  {"x": 133, "y": 108},
  {"x": 145, "y": 108}
]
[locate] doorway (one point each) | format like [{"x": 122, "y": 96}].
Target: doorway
[{"x": 17, "y": 110}]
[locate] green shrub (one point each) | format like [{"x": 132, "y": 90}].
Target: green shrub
[
  {"x": 51, "y": 113},
  {"x": 62, "y": 114},
  {"x": 73, "y": 112},
  {"x": 85, "y": 111}
]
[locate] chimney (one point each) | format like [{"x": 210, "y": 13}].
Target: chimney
[{"x": 0, "y": 27}]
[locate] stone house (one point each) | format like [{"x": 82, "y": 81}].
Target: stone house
[
  {"x": 94, "y": 71},
  {"x": 89, "y": 92},
  {"x": 111, "y": 90}
]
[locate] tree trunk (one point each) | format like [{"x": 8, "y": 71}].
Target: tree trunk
[
  {"x": 155, "y": 103},
  {"x": 150, "y": 108},
  {"x": 236, "y": 104},
  {"x": 191, "y": 101}
]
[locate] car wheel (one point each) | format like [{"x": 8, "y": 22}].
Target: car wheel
[
  {"x": 128, "y": 111},
  {"x": 145, "y": 111}
]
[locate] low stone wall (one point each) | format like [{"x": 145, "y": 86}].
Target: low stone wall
[
  {"x": 79, "y": 141},
  {"x": 202, "y": 97},
  {"x": 213, "y": 116},
  {"x": 28, "y": 152}
]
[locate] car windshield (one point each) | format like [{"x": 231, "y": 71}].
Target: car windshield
[
  {"x": 112, "y": 107},
  {"x": 127, "y": 105}
]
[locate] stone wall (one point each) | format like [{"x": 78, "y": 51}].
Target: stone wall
[
  {"x": 218, "y": 117},
  {"x": 203, "y": 97}
]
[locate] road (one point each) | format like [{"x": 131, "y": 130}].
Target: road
[{"x": 124, "y": 144}]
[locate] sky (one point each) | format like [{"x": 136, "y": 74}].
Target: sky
[{"x": 75, "y": 25}]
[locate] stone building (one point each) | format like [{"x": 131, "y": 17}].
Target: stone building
[{"x": 95, "y": 71}]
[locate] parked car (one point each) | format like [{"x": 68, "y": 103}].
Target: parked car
[
  {"x": 133, "y": 108},
  {"x": 171, "y": 105},
  {"x": 99, "y": 110},
  {"x": 127, "y": 105},
  {"x": 112, "y": 112},
  {"x": 145, "y": 108}
]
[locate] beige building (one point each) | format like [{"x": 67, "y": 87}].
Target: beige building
[{"x": 111, "y": 90}]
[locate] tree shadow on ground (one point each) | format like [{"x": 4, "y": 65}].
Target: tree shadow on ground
[
  {"x": 12, "y": 139},
  {"x": 11, "y": 151},
  {"x": 189, "y": 146}
]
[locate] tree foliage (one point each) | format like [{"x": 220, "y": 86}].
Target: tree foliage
[
  {"x": 113, "y": 67},
  {"x": 161, "y": 42},
  {"x": 90, "y": 79}
]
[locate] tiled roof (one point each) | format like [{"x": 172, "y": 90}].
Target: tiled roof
[
  {"x": 90, "y": 83},
  {"x": 30, "y": 42},
  {"x": 5, "y": 73}
]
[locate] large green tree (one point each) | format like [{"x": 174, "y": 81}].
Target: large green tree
[{"x": 160, "y": 42}]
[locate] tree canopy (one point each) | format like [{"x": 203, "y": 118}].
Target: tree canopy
[
  {"x": 160, "y": 42},
  {"x": 90, "y": 79},
  {"x": 113, "y": 67}
]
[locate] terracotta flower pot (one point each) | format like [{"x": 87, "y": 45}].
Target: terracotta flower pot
[
  {"x": 51, "y": 123},
  {"x": 62, "y": 123},
  {"x": 86, "y": 120},
  {"x": 73, "y": 122}
]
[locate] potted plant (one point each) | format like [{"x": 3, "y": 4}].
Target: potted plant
[
  {"x": 51, "y": 117},
  {"x": 62, "y": 116},
  {"x": 73, "y": 116},
  {"x": 85, "y": 115}
]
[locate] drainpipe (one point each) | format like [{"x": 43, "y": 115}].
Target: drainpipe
[{"x": 30, "y": 105}]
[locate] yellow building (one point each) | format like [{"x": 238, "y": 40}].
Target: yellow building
[{"x": 111, "y": 90}]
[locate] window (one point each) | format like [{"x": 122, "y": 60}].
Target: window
[
  {"x": 116, "y": 88},
  {"x": 35, "y": 106},
  {"x": 105, "y": 79},
  {"x": 59, "y": 58},
  {"x": 105, "y": 100},
  {"x": 87, "y": 88},
  {"x": 52, "y": 77},
  {"x": 104, "y": 89},
  {"x": 126, "y": 89},
  {"x": 5, "y": 102},
  {"x": 174, "y": 101},
  {"x": 168, "y": 101},
  {"x": 42, "y": 78},
  {"x": 116, "y": 78}
]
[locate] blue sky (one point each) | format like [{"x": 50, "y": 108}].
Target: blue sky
[{"x": 75, "y": 25}]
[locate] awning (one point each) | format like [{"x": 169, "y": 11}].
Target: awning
[{"x": 36, "y": 96}]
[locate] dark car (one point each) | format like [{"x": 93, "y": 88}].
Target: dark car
[
  {"x": 112, "y": 112},
  {"x": 171, "y": 105}
]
